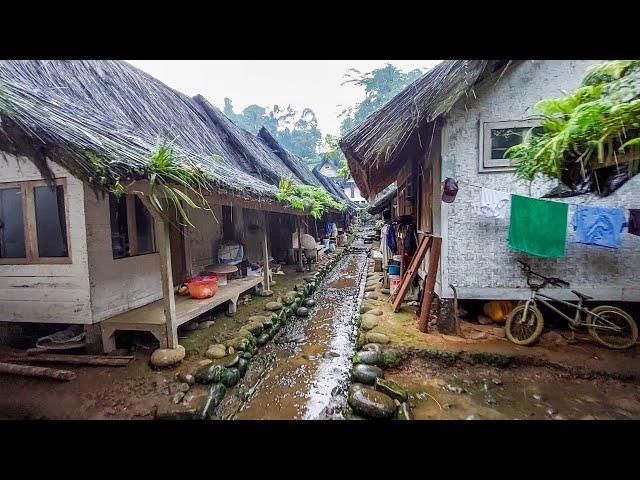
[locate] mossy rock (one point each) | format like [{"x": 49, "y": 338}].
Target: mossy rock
[
  {"x": 255, "y": 328},
  {"x": 391, "y": 389},
  {"x": 230, "y": 377},
  {"x": 214, "y": 397},
  {"x": 367, "y": 357},
  {"x": 390, "y": 357},
  {"x": 289, "y": 298},
  {"x": 273, "y": 306},
  {"x": 370, "y": 403},
  {"x": 209, "y": 374},
  {"x": 239, "y": 343},
  {"x": 366, "y": 374},
  {"x": 242, "y": 366}
]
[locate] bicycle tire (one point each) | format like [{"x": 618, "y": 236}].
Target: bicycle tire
[{"x": 536, "y": 332}]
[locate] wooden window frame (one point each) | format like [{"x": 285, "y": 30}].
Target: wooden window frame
[
  {"x": 131, "y": 229},
  {"x": 29, "y": 223},
  {"x": 486, "y": 164}
]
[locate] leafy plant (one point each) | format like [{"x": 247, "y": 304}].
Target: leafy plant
[
  {"x": 170, "y": 173},
  {"x": 315, "y": 200},
  {"x": 603, "y": 115}
]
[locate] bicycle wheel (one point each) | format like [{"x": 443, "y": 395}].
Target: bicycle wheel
[
  {"x": 524, "y": 331},
  {"x": 624, "y": 338}
]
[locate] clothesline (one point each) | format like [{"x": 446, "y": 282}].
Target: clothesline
[{"x": 464, "y": 182}]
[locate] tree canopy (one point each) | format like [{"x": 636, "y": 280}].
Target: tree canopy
[
  {"x": 380, "y": 86},
  {"x": 296, "y": 131}
]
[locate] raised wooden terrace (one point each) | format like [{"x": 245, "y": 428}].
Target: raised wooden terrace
[{"x": 151, "y": 317}]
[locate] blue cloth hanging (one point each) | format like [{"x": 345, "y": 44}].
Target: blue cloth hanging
[
  {"x": 391, "y": 239},
  {"x": 598, "y": 225}
]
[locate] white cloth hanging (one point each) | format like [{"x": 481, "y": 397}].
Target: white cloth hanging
[{"x": 493, "y": 203}]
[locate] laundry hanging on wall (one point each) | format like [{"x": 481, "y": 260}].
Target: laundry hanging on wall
[
  {"x": 634, "y": 221},
  {"x": 493, "y": 203},
  {"x": 538, "y": 227},
  {"x": 595, "y": 225}
]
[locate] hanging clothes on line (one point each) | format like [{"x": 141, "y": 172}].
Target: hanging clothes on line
[
  {"x": 634, "y": 221},
  {"x": 493, "y": 203},
  {"x": 601, "y": 226},
  {"x": 538, "y": 227}
]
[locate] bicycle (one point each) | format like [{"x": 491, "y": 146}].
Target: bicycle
[{"x": 607, "y": 325}]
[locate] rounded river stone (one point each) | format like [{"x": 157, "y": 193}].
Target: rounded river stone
[
  {"x": 366, "y": 374},
  {"x": 165, "y": 357},
  {"x": 377, "y": 337},
  {"x": 370, "y": 403}
]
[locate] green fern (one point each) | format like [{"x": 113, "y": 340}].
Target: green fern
[{"x": 600, "y": 116}]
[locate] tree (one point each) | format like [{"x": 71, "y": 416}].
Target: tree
[
  {"x": 380, "y": 86},
  {"x": 297, "y": 132}
]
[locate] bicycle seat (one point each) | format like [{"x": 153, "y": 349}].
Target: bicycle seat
[{"x": 581, "y": 295}]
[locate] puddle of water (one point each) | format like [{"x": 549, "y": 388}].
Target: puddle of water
[{"x": 303, "y": 372}]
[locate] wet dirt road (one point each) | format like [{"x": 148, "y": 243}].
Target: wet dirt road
[{"x": 304, "y": 372}]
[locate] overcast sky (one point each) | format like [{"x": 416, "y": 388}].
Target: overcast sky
[{"x": 299, "y": 83}]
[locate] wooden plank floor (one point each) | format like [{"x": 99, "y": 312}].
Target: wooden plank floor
[{"x": 186, "y": 308}]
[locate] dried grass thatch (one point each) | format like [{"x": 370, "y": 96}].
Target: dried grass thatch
[
  {"x": 105, "y": 118},
  {"x": 383, "y": 200},
  {"x": 401, "y": 126}
]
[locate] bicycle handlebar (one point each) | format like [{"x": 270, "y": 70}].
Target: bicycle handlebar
[{"x": 547, "y": 280}]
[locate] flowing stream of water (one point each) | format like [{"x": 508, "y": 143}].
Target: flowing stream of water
[{"x": 304, "y": 372}]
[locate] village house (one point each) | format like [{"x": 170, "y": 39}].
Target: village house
[
  {"x": 452, "y": 123},
  {"x": 110, "y": 261},
  {"x": 328, "y": 169}
]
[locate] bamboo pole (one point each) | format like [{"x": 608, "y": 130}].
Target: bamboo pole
[
  {"x": 39, "y": 372},
  {"x": 429, "y": 284},
  {"x": 266, "y": 258},
  {"x": 74, "y": 359},
  {"x": 300, "y": 267}
]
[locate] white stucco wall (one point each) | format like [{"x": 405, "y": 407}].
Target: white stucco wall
[{"x": 476, "y": 258}]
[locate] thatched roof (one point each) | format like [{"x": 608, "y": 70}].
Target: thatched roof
[
  {"x": 377, "y": 147},
  {"x": 260, "y": 157},
  {"x": 64, "y": 109},
  {"x": 293, "y": 162},
  {"x": 383, "y": 200},
  {"x": 331, "y": 187}
]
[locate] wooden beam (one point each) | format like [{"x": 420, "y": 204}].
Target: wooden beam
[
  {"x": 301, "y": 268},
  {"x": 265, "y": 252},
  {"x": 411, "y": 271},
  {"x": 429, "y": 284},
  {"x": 40, "y": 372},
  {"x": 108, "y": 361}
]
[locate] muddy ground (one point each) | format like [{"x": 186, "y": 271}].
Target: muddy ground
[
  {"x": 438, "y": 391},
  {"x": 132, "y": 392}
]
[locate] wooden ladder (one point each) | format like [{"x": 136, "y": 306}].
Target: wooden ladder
[{"x": 433, "y": 245}]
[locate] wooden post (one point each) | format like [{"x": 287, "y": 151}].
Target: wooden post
[
  {"x": 300, "y": 267},
  {"x": 166, "y": 274},
  {"x": 429, "y": 284},
  {"x": 266, "y": 258}
]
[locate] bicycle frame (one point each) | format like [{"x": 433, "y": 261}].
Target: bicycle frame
[{"x": 577, "y": 321}]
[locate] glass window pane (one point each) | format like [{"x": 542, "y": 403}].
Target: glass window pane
[
  {"x": 144, "y": 227},
  {"x": 11, "y": 224},
  {"x": 119, "y": 229},
  {"x": 51, "y": 223},
  {"x": 504, "y": 138}
]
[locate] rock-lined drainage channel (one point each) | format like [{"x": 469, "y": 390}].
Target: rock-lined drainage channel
[{"x": 304, "y": 372}]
